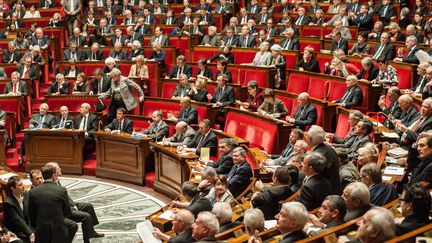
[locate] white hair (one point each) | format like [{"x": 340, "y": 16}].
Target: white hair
[
  {"x": 210, "y": 221},
  {"x": 253, "y": 219},
  {"x": 360, "y": 191},
  {"x": 223, "y": 212},
  {"x": 297, "y": 213}
]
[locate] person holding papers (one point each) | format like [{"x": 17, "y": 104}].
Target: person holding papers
[
  {"x": 41, "y": 119},
  {"x": 272, "y": 106},
  {"x": 158, "y": 128},
  {"x": 121, "y": 123},
  {"x": 64, "y": 120}
]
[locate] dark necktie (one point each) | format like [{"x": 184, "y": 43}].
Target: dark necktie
[
  {"x": 200, "y": 144},
  {"x": 286, "y": 152},
  {"x": 346, "y": 95}
]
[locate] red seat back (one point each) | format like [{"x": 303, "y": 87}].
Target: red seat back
[
  {"x": 319, "y": 115},
  {"x": 298, "y": 83},
  {"x": 288, "y": 101},
  {"x": 244, "y": 56},
  {"x": 168, "y": 89},
  {"x": 342, "y": 126},
  {"x": 311, "y": 31},
  {"x": 336, "y": 90},
  {"x": 153, "y": 105},
  {"x": 198, "y": 54},
  {"x": 290, "y": 59},
  {"x": 322, "y": 60},
  {"x": 13, "y": 106},
  {"x": 405, "y": 76},
  {"x": 259, "y": 75},
  {"x": 317, "y": 87}
]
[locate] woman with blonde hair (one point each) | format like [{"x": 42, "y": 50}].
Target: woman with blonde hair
[
  {"x": 139, "y": 69},
  {"x": 308, "y": 62},
  {"x": 80, "y": 85},
  {"x": 198, "y": 92},
  {"x": 56, "y": 20}
]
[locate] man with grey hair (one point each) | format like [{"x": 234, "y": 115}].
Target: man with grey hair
[
  {"x": 289, "y": 42},
  {"x": 15, "y": 86},
  {"x": 353, "y": 118},
  {"x": 204, "y": 138},
  {"x": 11, "y": 55},
  {"x": 316, "y": 136},
  {"x": 353, "y": 95},
  {"x": 205, "y": 228},
  {"x": 380, "y": 193},
  {"x": 183, "y": 135},
  {"x": 240, "y": 174},
  {"x": 393, "y": 110},
  {"x": 132, "y": 36},
  {"x": 253, "y": 220},
  {"x": 212, "y": 39},
  {"x": 412, "y": 49},
  {"x": 356, "y": 196},
  {"x": 422, "y": 124},
  {"x": 291, "y": 220},
  {"x": 180, "y": 68},
  {"x": 409, "y": 114},
  {"x": 223, "y": 212},
  {"x": 423, "y": 79},
  {"x": 181, "y": 225},
  {"x": 377, "y": 225},
  {"x": 306, "y": 113},
  {"x": 95, "y": 53},
  {"x": 158, "y": 128},
  {"x": 315, "y": 186}
]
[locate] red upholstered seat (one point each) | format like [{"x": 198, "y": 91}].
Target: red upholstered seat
[
  {"x": 235, "y": 72},
  {"x": 316, "y": 45},
  {"x": 405, "y": 76},
  {"x": 13, "y": 106},
  {"x": 298, "y": 83},
  {"x": 251, "y": 162},
  {"x": 322, "y": 60},
  {"x": 139, "y": 125},
  {"x": 73, "y": 104},
  {"x": 288, "y": 101},
  {"x": 149, "y": 179},
  {"x": 319, "y": 115},
  {"x": 244, "y": 56},
  {"x": 336, "y": 90},
  {"x": 202, "y": 112},
  {"x": 311, "y": 31},
  {"x": 342, "y": 126},
  {"x": 168, "y": 89},
  {"x": 317, "y": 87},
  {"x": 198, "y": 54},
  {"x": 151, "y": 105},
  {"x": 9, "y": 70},
  {"x": 254, "y": 130},
  {"x": 180, "y": 43},
  {"x": 290, "y": 59},
  {"x": 258, "y": 75}
]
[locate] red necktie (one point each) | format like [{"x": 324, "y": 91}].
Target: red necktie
[
  {"x": 14, "y": 88},
  {"x": 26, "y": 74}
]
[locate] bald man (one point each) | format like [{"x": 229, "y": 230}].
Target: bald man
[
  {"x": 188, "y": 113},
  {"x": 184, "y": 134},
  {"x": 306, "y": 113},
  {"x": 64, "y": 120}
]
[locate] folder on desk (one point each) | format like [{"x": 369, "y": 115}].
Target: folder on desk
[{"x": 205, "y": 154}]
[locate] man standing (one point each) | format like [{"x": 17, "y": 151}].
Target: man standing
[
  {"x": 72, "y": 9},
  {"x": 47, "y": 208}
]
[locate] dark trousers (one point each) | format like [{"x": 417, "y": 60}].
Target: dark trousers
[
  {"x": 72, "y": 228},
  {"x": 87, "y": 216}
]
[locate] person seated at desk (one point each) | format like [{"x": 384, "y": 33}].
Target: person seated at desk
[
  {"x": 27, "y": 70},
  {"x": 308, "y": 62},
  {"x": 240, "y": 174},
  {"x": 295, "y": 135},
  {"x": 121, "y": 123},
  {"x": 222, "y": 69},
  {"x": 182, "y": 89},
  {"x": 254, "y": 99},
  {"x": 268, "y": 198},
  {"x": 73, "y": 53},
  {"x": 416, "y": 205},
  {"x": 423, "y": 169},
  {"x": 289, "y": 42},
  {"x": 393, "y": 109},
  {"x": 423, "y": 79},
  {"x": 368, "y": 72},
  {"x": 118, "y": 53},
  {"x": 139, "y": 69},
  {"x": 263, "y": 56},
  {"x": 410, "y": 112},
  {"x": 300, "y": 148},
  {"x": 272, "y": 106},
  {"x": 195, "y": 203},
  {"x": 353, "y": 118},
  {"x": 331, "y": 214},
  {"x": 158, "y": 55},
  {"x": 64, "y": 120},
  {"x": 182, "y": 227},
  {"x": 15, "y": 86},
  {"x": 88, "y": 123},
  {"x": 306, "y": 113},
  {"x": 198, "y": 91},
  {"x": 80, "y": 85},
  {"x": 412, "y": 49},
  {"x": 224, "y": 213},
  {"x": 59, "y": 87},
  {"x": 219, "y": 191},
  {"x": 356, "y": 196},
  {"x": 225, "y": 53},
  {"x": 160, "y": 37},
  {"x": 11, "y": 55},
  {"x": 361, "y": 47},
  {"x": 224, "y": 93},
  {"x": 95, "y": 53},
  {"x": 212, "y": 39},
  {"x": 188, "y": 113},
  {"x": 203, "y": 69},
  {"x": 254, "y": 222},
  {"x": 158, "y": 128},
  {"x": 230, "y": 38},
  {"x": 361, "y": 137},
  {"x": 100, "y": 83},
  {"x": 180, "y": 68},
  {"x": 353, "y": 95},
  {"x": 136, "y": 50},
  {"x": 183, "y": 135},
  {"x": 339, "y": 43},
  {"x": 225, "y": 162},
  {"x": 380, "y": 193},
  {"x": 204, "y": 138},
  {"x": 72, "y": 70}
]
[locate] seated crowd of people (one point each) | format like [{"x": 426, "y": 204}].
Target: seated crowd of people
[{"x": 319, "y": 181}]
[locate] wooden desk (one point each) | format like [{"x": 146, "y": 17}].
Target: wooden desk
[
  {"x": 121, "y": 157},
  {"x": 62, "y": 146},
  {"x": 2, "y": 148},
  {"x": 172, "y": 170}
]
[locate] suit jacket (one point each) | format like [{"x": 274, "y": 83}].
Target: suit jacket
[
  {"x": 223, "y": 9},
  {"x": 210, "y": 141},
  {"x": 234, "y": 41},
  {"x": 409, "y": 116},
  {"x": 331, "y": 171},
  {"x": 305, "y": 116},
  {"x": 386, "y": 12},
  {"x": 410, "y": 56},
  {"x": 199, "y": 204},
  {"x": 253, "y": 9},
  {"x": 382, "y": 193},
  {"x": 6, "y": 56},
  {"x": 359, "y": 141},
  {"x": 207, "y": 18},
  {"x": 33, "y": 72},
  {"x": 227, "y": 98},
  {"x": 411, "y": 223},
  {"x": 223, "y": 165},
  {"x": 130, "y": 21},
  {"x": 293, "y": 237},
  {"x": 182, "y": 139},
  {"x": 97, "y": 56},
  {"x": 354, "y": 98},
  {"x": 157, "y": 133},
  {"x": 411, "y": 136},
  {"x": 313, "y": 191},
  {"x": 268, "y": 200},
  {"x": 395, "y": 111},
  {"x": 122, "y": 55},
  {"x": 68, "y": 123},
  {"x": 16, "y": 219},
  {"x": 186, "y": 70},
  {"x": 363, "y": 22},
  {"x": 239, "y": 178},
  {"x": 106, "y": 84},
  {"x": 311, "y": 66},
  {"x": 136, "y": 36},
  {"x": 423, "y": 172},
  {"x": 165, "y": 20},
  {"x": 250, "y": 41},
  {"x": 126, "y": 92},
  {"x": 127, "y": 126},
  {"x": 151, "y": 19},
  {"x": 164, "y": 40},
  {"x": 188, "y": 115},
  {"x": 54, "y": 88},
  {"x": 182, "y": 91},
  {"x": 277, "y": 110},
  {"x": 48, "y": 207},
  {"x": 343, "y": 44},
  {"x": 136, "y": 53},
  {"x": 79, "y": 55},
  {"x": 261, "y": 18},
  {"x": 92, "y": 123},
  {"x": 389, "y": 51},
  {"x": 22, "y": 88},
  {"x": 37, "y": 118},
  {"x": 79, "y": 40},
  {"x": 304, "y": 21},
  {"x": 293, "y": 45},
  {"x": 115, "y": 38},
  {"x": 372, "y": 74},
  {"x": 185, "y": 236},
  {"x": 212, "y": 41}
]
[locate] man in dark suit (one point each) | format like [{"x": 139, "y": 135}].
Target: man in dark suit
[
  {"x": 423, "y": 77},
  {"x": 118, "y": 53},
  {"x": 206, "y": 18},
  {"x": 15, "y": 86},
  {"x": 268, "y": 199},
  {"x": 224, "y": 93},
  {"x": 149, "y": 18},
  {"x": 169, "y": 19},
  {"x": 393, "y": 109},
  {"x": 88, "y": 123},
  {"x": 246, "y": 40},
  {"x": 27, "y": 70},
  {"x": 243, "y": 16},
  {"x": 16, "y": 218},
  {"x": 289, "y": 42},
  {"x": 188, "y": 113},
  {"x": 224, "y": 213},
  {"x": 118, "y": 37},
  {"x": 412, "y": 49},
  {"x": 380, "y": 193},
  {"x": 64, "y": 120},
  {"x": 100, "y": 83},
  {"x": 302, "y": 18},
  {"x": 225, "y": 161},
  {"x": 386, "y": 12},
  {"x": 316, "y": 137},
  {"x": 73, "y": 53},
  {"x": 263, "y": 16},
  {"x": 339, "y": 42},
  {"x": 60, "y": 86},
  {"x": 410, "y": 112},
  {"x": 368, "y": 72},
  {"x": 76, "y": 37},
  {"x": 183, "y": 135},
  {"x": 121, "y": 123},
  {"x": 356, "y": 196},
  {"x": 384, "y": 49},
  {"x": 331, "y": 214},
  {"x": 253, "y": 7},
  {"x": 422, "y": 124},
  {"x": 306, "y": 113},
  {"x": 353, "y": 95},
  {"x": 230, "y": 39},
  {"x": 240, "y": 174},
  {"x": 363, "y": 20},
  {"x": 197, "y": 203},
  {"x": 160, "y": 37},
  {"x": 316, "y": 187},
  {"x": 204, "y": 138},
  {"x": 353, "y": 118},
  {"x": 281, "y": 159},
  {"x": 290, "y": 227},
  {"x": 48, "y": 207},
  {"x": 11, "y": 55},
  {"x": 182, "y": 225},
  {"x": 361, "y": 133},
  {"x": 132, "y": 36},
  {"x": 158, "y": 128},
  {"x": 181, "y": 68},
  {"x": 183, "y": 88},
  {"x": 41, "y": 119},
  {"x": 95, "y": 53}
]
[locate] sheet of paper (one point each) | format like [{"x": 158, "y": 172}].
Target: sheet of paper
[
  {"x": 397, "y": 152},
  {"x": 390, "y": 134},
  {"x": 386, "y": 178},
  {"x": 394, "y": 170},
  {"x": 145, "y": 232},
  {"x": 205, "y": 153},
  {"x": 268, "y": 224},
  {"x": 5, "y": 177},
  {"x": 390, "y": 160},
  {"x": 166, "y": 215}
]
